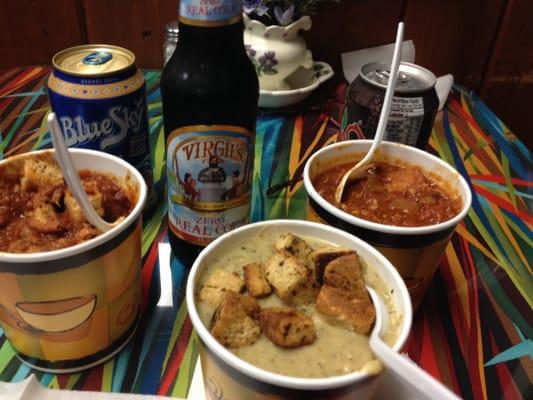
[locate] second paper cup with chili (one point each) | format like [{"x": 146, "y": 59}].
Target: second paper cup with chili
[{"x": 415, "y": 251}]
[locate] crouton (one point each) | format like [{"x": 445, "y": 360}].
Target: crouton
[
  {"x": 306, "y": 293},
  {"x": 322, "y": 257},
  {"x": 348, "y": 308},
  {"x": 255, "y": 281},
  {"x": 40, "y": 173},
  {"x": 345, "y": 273},
  {"x": 287, "y": 276},
  {"x": 251, "y": 306},
  {"x": 293, "y": 246},
  {"x": 232, "y": 324},
  {"x": 218, "y": 283},
  {"x": 287, "y": 327}
]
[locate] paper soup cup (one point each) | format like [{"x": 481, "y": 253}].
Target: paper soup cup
[
  {"x": 227, "y": 376},
  {"x": 69, "y": 309},
  {"x": 414, "y": 251}
]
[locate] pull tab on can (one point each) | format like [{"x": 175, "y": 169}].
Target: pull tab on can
[{"x": 97, "y": 58}]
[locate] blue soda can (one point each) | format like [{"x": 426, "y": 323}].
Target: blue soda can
[{"x": 99, "y": 97}]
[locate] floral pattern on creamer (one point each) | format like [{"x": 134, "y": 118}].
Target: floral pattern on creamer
[{"x": 264, "y": 64}]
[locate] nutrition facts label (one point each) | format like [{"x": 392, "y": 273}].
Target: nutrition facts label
[{"x": 405, "y": 120}]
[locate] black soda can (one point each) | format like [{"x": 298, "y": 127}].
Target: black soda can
[{"x": 414, "y": 105}]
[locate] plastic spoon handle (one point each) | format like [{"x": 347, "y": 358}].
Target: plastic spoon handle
[
  {"x": 418, "y": 380},
  {"x": 71, "y": 176},
  {"x": 355, "y": 171},
  {"x": 389, "y": 94}
]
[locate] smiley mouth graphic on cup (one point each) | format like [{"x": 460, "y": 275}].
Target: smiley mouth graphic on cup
[{"x": 58, "y": 315}]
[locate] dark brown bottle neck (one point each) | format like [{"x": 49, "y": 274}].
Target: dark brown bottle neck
[{"x": 200, "y": 35}]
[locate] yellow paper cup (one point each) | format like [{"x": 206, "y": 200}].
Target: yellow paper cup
[
  {"x": 226, "y": 376},
  {"x": 414, "y": 251},
  {"x": 69, "y": 309}
]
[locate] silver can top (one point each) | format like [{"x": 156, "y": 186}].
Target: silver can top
[
  {"x": 411, "y": 78},
  {"x": 93, "y": 60},
  {"x": 172, "y": 29}
]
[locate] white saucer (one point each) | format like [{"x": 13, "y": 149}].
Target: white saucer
[{"x": 301, "y": 83}]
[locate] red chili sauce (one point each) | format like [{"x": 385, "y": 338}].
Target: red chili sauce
[
  {"x": 391, "y": 193},
  {"x": 38, "y": 213}
]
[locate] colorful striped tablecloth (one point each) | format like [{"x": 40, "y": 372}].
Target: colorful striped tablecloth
[{"x": 473, "y": 330}]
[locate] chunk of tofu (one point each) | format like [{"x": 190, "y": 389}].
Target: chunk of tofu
[
  {"x": 95, "y": 196},
  {"x": 6, "y": 209},
  {"x": 218, "y": 283},
  {"x": 40, "y": 173},
  {"x": 353, "y": 310},
  {"x": 287, "y": 276},
  {"x": 255, "y": 281},
  {"x": 73, "y": 209},
  {"x": 293, "y": 246},
  {"x": 86, "y": 231},
  {"x": 286, "y": 327},
  {"x": 233, "y": 324},
  {"x": 96, "y": 200},
  {"x": 319, "y": 258},
  {"x": 406, "y": 180},
  {"x": 43, "y": 218}
]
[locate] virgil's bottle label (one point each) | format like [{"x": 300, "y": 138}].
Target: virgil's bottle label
[
  {"x": 209, "y": 180},
  {"x": 210, "y": 12}
]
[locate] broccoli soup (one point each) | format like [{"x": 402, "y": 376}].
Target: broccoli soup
[{"x": 294, "y": 305}]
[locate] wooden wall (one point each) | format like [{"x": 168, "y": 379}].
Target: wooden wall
[
  {"x": 508, "y": 82},
  {"x": 486, "y": 44}
]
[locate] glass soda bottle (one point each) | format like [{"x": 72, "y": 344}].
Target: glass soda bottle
[
  {"x": 171, "y": 38},
  {"x": 209, "y": 90}
]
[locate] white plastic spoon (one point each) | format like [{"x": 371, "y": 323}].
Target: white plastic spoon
[
  {"x": 71, "y": 176},
  {"x": 359, "y": 168},
  {"x": 418, "y": 380}
]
